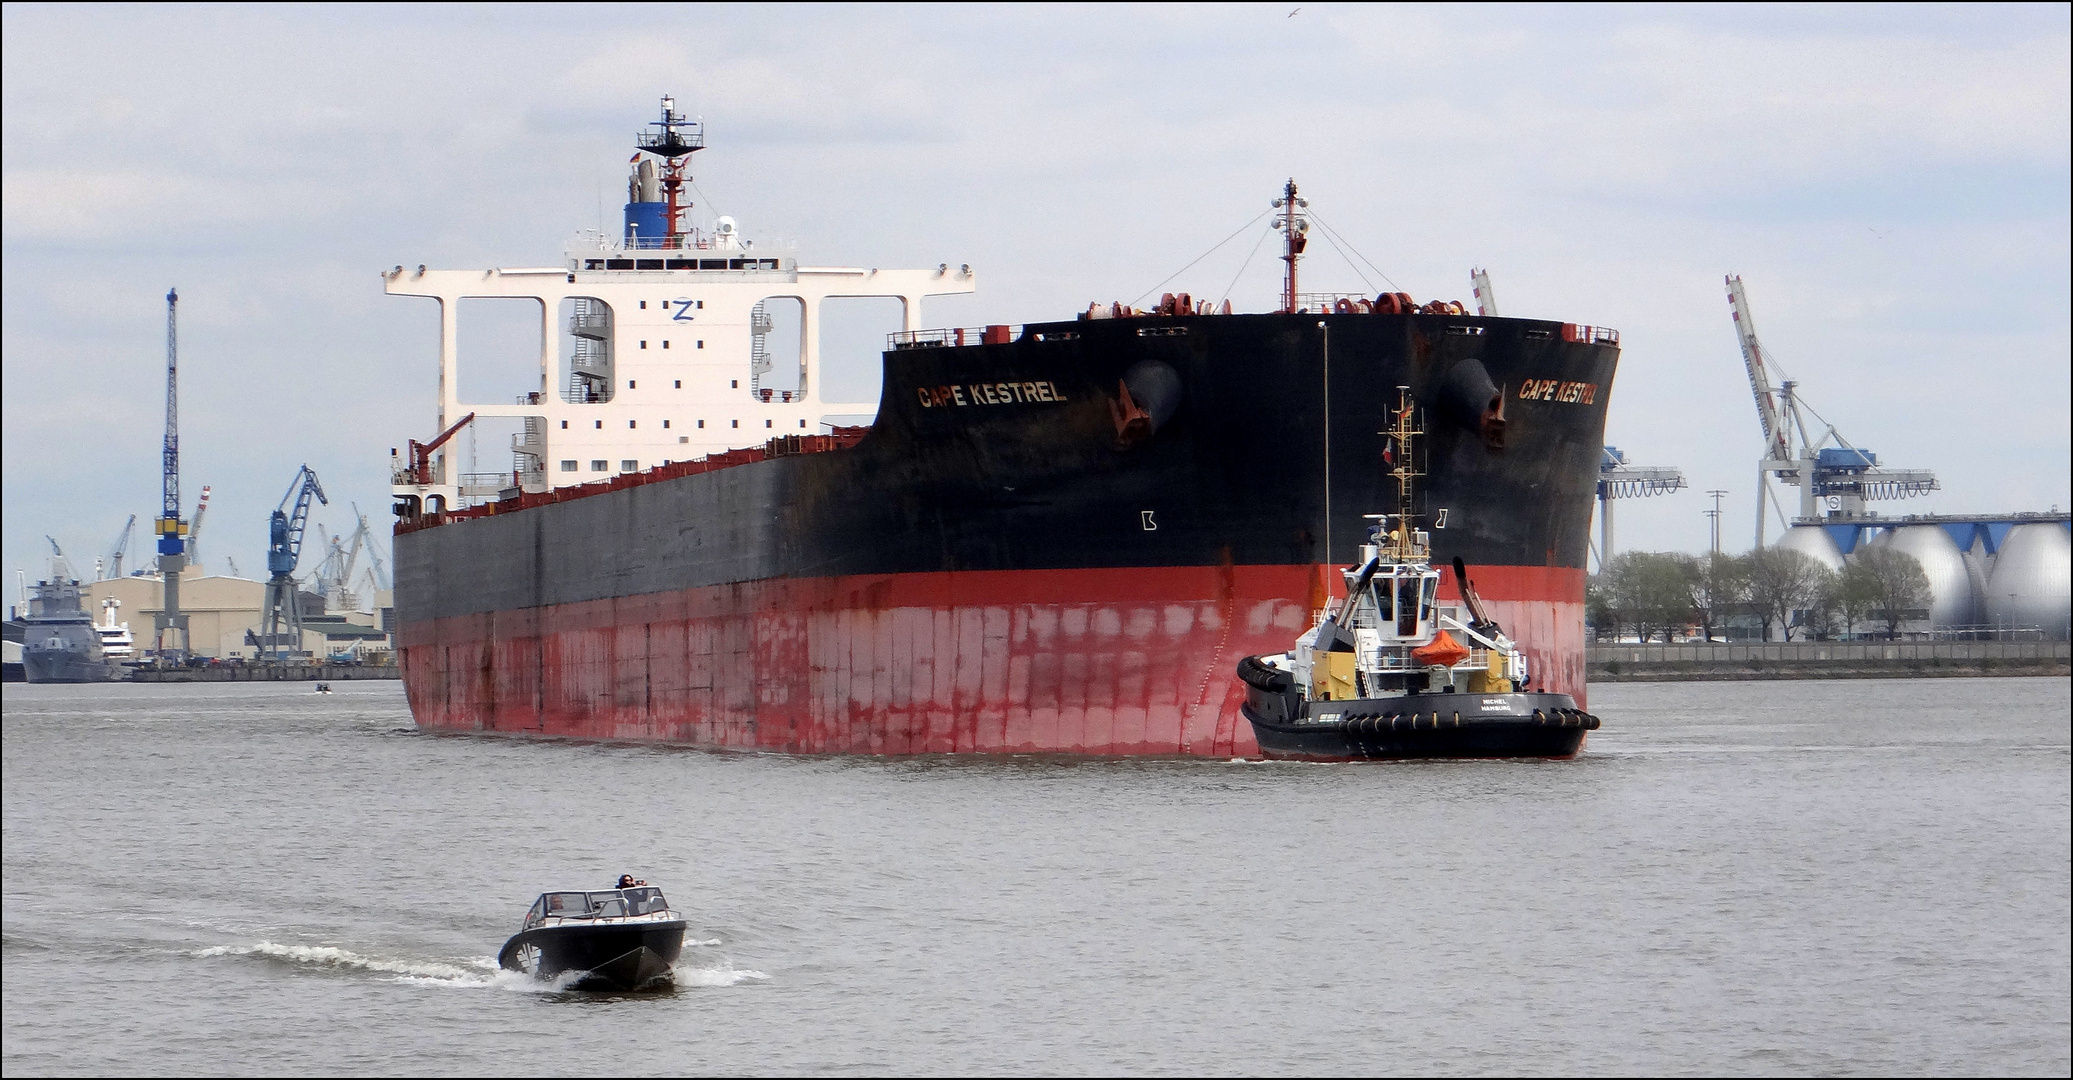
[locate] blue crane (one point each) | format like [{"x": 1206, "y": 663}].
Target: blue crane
[
  {"x": 280, "y": 631},
  {"x": 171, "y": 530}
]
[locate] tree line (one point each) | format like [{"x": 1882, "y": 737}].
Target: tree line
[{"x": 1658, "y": 594}]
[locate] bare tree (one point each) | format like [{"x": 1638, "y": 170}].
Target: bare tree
[
  {"x": 1650, "y": 591},
  {"x": 1713, "y": 582},
  {"x": 1784, "y": 583},
  {"x": 1894, "y": 583}
]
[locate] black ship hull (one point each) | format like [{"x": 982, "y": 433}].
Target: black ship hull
[
  {"x": 639, "y": 956},
  {"x": 1057, "y": 542},
  {"x": 1458, "y": 725}
]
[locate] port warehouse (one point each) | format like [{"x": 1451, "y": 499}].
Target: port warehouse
[{"x": 224, "y": 615}]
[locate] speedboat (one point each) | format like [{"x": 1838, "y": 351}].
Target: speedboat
[{"x": 613, "y": 939}]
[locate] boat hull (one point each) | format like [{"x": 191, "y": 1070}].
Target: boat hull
[
  {"x": 1417, "y": 726},
  {"x": 630, "y": 957},
  {"x": 1003, "y": 564}
]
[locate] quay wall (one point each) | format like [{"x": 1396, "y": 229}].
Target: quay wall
[
  {"x": 261, "y": 673},
  {"x": 1703, "y": 661}
]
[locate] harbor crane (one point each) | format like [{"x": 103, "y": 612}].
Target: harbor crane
[
  {"x": 280, "y": 628},
  {"x": 122, "y": 547},
  {"x": 1835, "y": 481},
  {"x": 194, "y": 531},
  {"x": 60, "y": 566},
  {"x": 335, "y": 576},
  {"x": 170, "y": 529},
  {"x": 380, "y": 569}
]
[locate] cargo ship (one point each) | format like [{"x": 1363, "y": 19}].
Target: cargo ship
[{"x": 1057, "y": 537}]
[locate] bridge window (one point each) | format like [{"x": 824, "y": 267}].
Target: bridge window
[
  {"x": 568, "y": 465},
  {"x": 629, "y": 465},
  {"x": 599, "y": 464}
]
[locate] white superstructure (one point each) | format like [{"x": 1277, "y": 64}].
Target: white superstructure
[{"x": 653, "y": 347}]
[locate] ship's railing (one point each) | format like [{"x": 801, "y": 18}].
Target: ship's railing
[
  {"x": 1590, "y": 335},
  {"x": 954, "y": 336},
  {"x": 1324, "y": 301},
  {"x": 592, "y": 241}
]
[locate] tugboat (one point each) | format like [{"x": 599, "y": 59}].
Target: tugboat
[
  {"x": 615, "y": 939},
  {"x": 1384, "y": 674}
]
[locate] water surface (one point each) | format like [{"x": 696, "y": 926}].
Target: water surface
[{"x": 1833, "y": 877}]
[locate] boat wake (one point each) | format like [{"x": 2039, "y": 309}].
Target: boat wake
[{"x": 476, "y": 973}]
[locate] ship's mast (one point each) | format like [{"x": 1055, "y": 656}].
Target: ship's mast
[
  {"x": 1294, "y": 226},
  {"x": 677, "y": 137}
]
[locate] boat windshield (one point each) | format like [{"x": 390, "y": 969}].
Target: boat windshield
[{"x": 603, "y": 904}]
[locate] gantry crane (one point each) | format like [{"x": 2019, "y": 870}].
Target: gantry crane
[
  {"x": 280, "y": 628},
  {"x": 1619, "y": 480},
  {"x": 1834, "y": 481}
]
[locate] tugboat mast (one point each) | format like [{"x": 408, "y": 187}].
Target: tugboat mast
[
  {"x": 1294, "y": 226},
  {"x": 1400, "y": 454}
]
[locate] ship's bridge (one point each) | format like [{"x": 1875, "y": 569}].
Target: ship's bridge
[
  {"x": 647, "y": 365},
  {"x": 656, "y": 344}
]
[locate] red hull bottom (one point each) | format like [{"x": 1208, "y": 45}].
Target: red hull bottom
[{"x": 1108, "y": 662}]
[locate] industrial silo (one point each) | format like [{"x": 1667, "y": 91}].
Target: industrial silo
[
  {"x": 1950, "y": 582},
  {"x": 2032, "y": 583},
  {"x": 1814, "y": 542}
]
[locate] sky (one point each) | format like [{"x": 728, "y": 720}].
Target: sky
[{"x": 1892, "y": 184}]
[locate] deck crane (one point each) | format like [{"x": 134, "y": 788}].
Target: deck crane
[
  {"x": 122, "y": 547},
  {"x": 1486, "y": 302},
  {"x": 1834, "y": 481},
  {"x": 280, "y": 629},
  {"x": 171, "y": 531}
]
